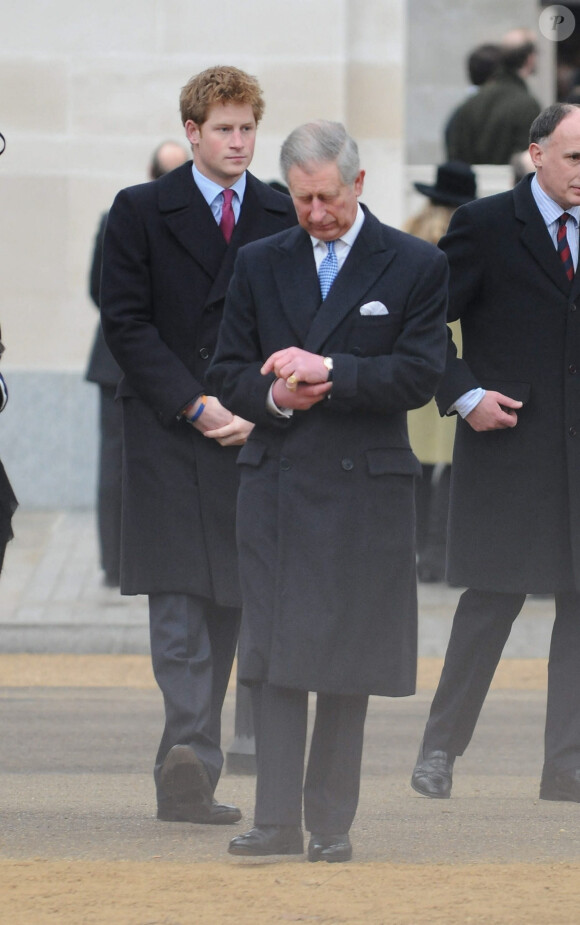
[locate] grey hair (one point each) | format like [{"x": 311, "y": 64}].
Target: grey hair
[
  {"x": 545, "y": 124},
  {"x": 321, "y": 142}
]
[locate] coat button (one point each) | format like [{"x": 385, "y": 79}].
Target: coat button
[
  {"x": 572, "y": 368},
  {"x": 573, "y": 307},
  {"x": 572, "y": 431},
  {"x": 347, "y": 464},
  {"x": 204, "y": 353},
  {"x": 284, "y": 464}
]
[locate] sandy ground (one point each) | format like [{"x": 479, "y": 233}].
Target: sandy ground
[
  {"x": 22, "y": 670},
  {"x": 36, "y": 890},
  {"x": 125, "y": 893}
]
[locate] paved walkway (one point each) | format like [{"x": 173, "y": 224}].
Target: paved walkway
[
  {"x": 52, "y": 598},
  {"x": 79, "y": 783}
]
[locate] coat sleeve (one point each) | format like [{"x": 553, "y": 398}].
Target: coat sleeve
[
  {"x": 234, "y": 373},
  {"x": 464, "y": 254},
  {"x": 150, "y": 367},
  {"x": 405, "y": 374}
]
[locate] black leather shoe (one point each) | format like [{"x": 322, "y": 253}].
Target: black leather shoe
[
  {"x": 433, "y": 774},
  {"x": 331, "y": 848},
  {"x": 183, "y": 779},
  {"x": 268, "y": 839},
  {"x": 561, "y": 785},
  {"x": 215, "y": 814}
]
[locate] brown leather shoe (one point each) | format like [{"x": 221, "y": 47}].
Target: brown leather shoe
[
  {"x": 560, "y": 785},
  {"x": 215, "y": 814},
  {"x": 268, "y": 839},
  {"x": 433, "y": 774},
  {"x": 184, "y": 779},
  {"x": 331, "y": 848}
]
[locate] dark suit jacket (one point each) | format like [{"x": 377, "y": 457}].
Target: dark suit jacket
[
  {"x": 165, "y": 273},
  {"x": 326, "y": 515},
  {"x": 515, "y": 494}
]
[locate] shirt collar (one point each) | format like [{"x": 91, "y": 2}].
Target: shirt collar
[
  {"x": 550, "y": 210},
  {"x": 210, "y": 190},
  {"x": 349, "y": 236}
]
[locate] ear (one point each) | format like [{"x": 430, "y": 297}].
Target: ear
[
  {"x": 359, "y": 182},
  {"x": 536, "y": 154},
  {"x": 193, "y": 132}
]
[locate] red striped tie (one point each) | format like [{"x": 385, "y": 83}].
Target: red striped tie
[{"x": 564, "y": 247}]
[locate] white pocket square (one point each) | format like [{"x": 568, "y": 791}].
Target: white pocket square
[{"x": 374, "y": 308}]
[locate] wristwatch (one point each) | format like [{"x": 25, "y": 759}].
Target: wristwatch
[{"x": 328, "y": 362}]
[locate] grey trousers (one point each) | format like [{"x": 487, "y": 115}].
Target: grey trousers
[{"x": 193, "y": 643}]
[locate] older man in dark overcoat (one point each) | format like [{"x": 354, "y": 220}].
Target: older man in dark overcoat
[
  {"x": 327, "y": 368},
  {"x": 168, "y": 257},
  {"x": 515, "y": 494}
]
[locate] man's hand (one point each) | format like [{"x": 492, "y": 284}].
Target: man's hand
[
  {"x": 295, "y": 366},
  {"x": 494, "y": 412},
  {"x": 233, "y": 434},
  {"x": 217, "y": 423},
  {"x": 302, "y": 397},
  {"x": 213, "y": 416}
]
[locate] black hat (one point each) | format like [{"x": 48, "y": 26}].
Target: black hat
[{"x": 455, "y": 184}]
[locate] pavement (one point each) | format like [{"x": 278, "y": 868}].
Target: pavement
[{"x": 76, "y": 755}]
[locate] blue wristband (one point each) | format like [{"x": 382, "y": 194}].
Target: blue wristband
[{"x": 199, "y": 411}]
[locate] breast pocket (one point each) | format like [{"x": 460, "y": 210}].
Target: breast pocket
[{"x": 373, "y": 335}]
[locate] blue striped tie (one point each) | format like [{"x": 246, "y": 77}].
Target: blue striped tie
[
  {"x": 564, "y": 247},
  {"x": 328, "y": 270}
]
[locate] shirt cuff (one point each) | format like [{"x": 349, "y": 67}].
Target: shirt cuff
[
  {"x": 467, "y": 402},
  {"x": 273, "y": 408}
]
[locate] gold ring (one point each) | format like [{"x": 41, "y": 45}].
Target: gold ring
[{"x": 292, "y": 383}]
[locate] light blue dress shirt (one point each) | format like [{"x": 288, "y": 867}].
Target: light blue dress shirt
[{"x": 213, "y": 193}]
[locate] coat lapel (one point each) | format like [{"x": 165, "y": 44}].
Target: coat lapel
[
  {"x": 369, "y": 257},
  {"x": 296, "y": 276},
  {"x": 258, "y": 202},
  {"x": 190, "y": 219},
  {"x": 536, "y": 238}
]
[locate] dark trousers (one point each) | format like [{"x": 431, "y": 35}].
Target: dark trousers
[
  {"x": 193, "y": 643},
  {"x": 109, "y": 482},
  {"x": 331, "y": 787},
  {"x": 481, "y": 626}
]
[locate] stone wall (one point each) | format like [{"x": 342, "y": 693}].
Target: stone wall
[{"x": 88, "y": 88}]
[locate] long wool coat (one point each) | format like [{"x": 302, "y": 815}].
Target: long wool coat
[
  {"x": 165, "y": 273},
  {"x": 515, "y": 493},
  {"x": 326, "y": 502}
]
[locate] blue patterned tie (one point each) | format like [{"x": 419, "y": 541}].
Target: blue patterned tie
[{"x": 327, "y": 270}]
